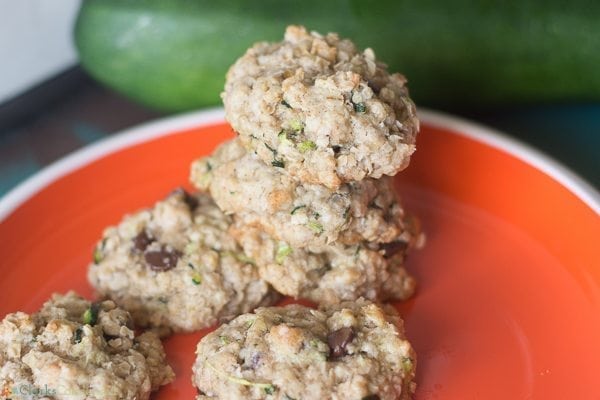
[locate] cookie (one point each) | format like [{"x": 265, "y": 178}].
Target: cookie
[
  {"x": 174, "y": 267},
  {"x": 354, "y": 350},
  {"x": 299, "y": 214},
  {"x": 333, "y": 273},
  {"x": 74, "y": 349},
  {"x": 318, "y": 108}
]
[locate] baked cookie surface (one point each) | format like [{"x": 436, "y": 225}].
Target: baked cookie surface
[
  {"x": 300, "y": 214},
  {"x": 174, "y": 266},
  {"x": 351, "y": 351},
  {"x": 333, "y": 273},
  {"x": 320, "y": 109},
  {"x": 75, "y": 349}
]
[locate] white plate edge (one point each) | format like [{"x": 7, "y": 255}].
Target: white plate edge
[
  {"x": 163, "y": 127},
  {"x": 522, "y": 151},
  {"x": 86, "y": 155}
]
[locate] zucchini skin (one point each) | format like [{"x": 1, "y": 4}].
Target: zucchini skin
[{"x": 172, "y": 55}]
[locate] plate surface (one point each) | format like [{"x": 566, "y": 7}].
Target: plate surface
[{"x": 508, "y": 305}]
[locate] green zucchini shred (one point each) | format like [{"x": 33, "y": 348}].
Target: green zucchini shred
[
  {"x": 306, "y": 146},
  {"x": 269, "y": 388},
  {"x": 315, "y": 227},
  {"x": 283, "y": 251},
  {"x": 297, "y": 208}
]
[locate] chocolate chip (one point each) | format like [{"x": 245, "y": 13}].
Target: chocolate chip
[
  {"x": 338, "y": 340},
  {"x": 77, "y": 335},
  {"x": 142, "y": 240},
  {"x": 191, "y": 201},
  {"x": 336, "y": 149},
  {"x": 161, "y": 260},
  {"x": 375, "y": 87},
  {"x": 371, "y": 397},
  {"x": 110, "y": 337},
  {"x": 392, "y": 248}
]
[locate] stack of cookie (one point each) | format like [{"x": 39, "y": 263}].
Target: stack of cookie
[
  {"x": 320, "y": 127},
  {"x": 302, "y": 204}
]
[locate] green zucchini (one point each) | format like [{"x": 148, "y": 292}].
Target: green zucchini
[{"x": 173, "y": 54}]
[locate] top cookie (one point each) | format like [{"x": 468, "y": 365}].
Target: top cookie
[{"x": 317, "y": 107}]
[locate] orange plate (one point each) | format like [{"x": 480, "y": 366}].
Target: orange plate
[{"x": 508, "y": 305}]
